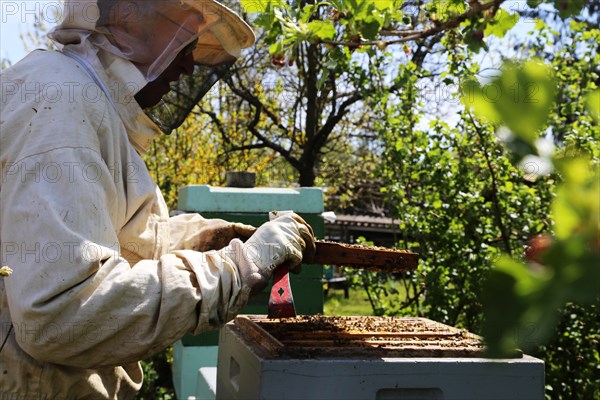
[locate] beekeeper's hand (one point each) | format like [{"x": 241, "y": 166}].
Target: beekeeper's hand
[
  {"x": 286, "y": 239},
  {"x": 218, "y": 233}
]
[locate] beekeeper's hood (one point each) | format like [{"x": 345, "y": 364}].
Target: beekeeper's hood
[{"x": 150, "y": 34}]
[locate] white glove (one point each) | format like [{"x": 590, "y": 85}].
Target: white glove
[{"x": 284, "y": 239}]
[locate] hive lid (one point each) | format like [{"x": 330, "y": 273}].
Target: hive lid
[
  {"x": 319, "y": 337},
  {"x": 205, "y": 198}
]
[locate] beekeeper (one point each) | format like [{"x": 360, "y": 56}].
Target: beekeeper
[{"x": 102, "y": 277}]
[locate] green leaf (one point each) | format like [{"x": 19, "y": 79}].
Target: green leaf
[
  {"x": 528, "y": 93},
  {"x": 514, "y": 296},
  {"x": 590, "y": 34},
  {"x": 592, "y": 103},
  {"x": 443, "y": 10},
  {"x": 370, "y": 30},
  {"x": 521, "y": 98},
  {"x": 503, "y": 22},
  {"x": 383, "y": 5},
  {"x": 476, "y": 44},
  {"x": 324, "y": 30},
  {"x": 359, "y": 9},
  {"x": 540, "y": 24},
  {"x": 575, "y": 209},
  {"x": 569, "y": 8},
  {"x": 534, "y": 3},
  {"x": 323, "y": 78},
  {"x": 259, "y": 6},
  {"x": 474, "y": 96},
  {"x": 276, "y": 48},
  {"x": 254, "y": 6},
  {"x": 503, "y": 309}
]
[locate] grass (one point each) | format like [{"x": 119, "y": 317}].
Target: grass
[{"x": 356, "y": 304}]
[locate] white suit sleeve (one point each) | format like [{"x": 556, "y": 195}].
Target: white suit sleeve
[
  {"x": 73, "y": 299},
  {"x": 185, "y": 230}
]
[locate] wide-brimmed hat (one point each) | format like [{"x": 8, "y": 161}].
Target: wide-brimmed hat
[{"x": 239, "y": 27}]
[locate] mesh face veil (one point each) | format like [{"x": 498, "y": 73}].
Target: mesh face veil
[{"x": 150, "y": 34}]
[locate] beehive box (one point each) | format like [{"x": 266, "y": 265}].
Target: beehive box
[
  {"x": 249, "y": 206},
  {"x": 316, "y": 357}
]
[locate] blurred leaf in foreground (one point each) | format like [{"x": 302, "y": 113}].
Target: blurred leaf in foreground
[
  {"x": 520, "y": 98},
  {"x": 522, "y": 299}
]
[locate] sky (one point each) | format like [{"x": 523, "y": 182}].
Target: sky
[{"x": 18, "y": 17}]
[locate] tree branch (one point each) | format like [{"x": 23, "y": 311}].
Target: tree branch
[
  {"x": 411, "y": 35},
  {"x": 495, "y": 199},
  {"x": 245, "y": 94},
  {"x": 332, "y": 120},
  {"x": 219, "y": 124}
]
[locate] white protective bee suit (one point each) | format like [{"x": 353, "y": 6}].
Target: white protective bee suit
[{"x": 102, "y": 277}]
